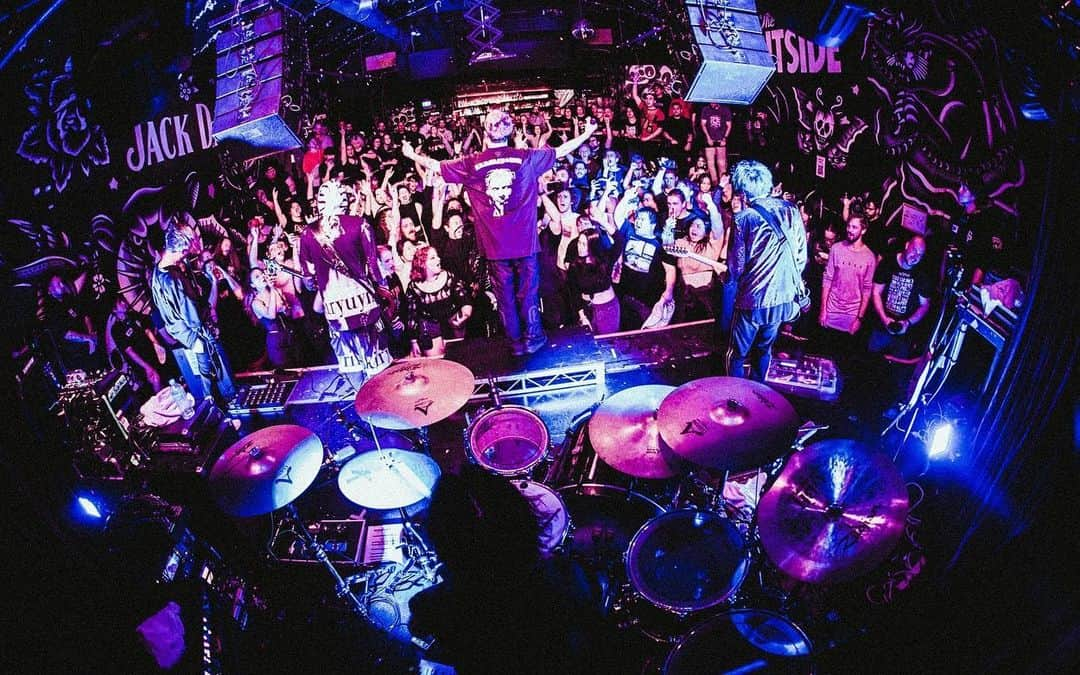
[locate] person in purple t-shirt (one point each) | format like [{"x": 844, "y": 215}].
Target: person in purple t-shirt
[{"x": 502, "y": 183}]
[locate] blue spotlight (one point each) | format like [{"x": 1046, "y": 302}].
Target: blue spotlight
[
  {"x": 941, "y": 438},
  {"x": 88, "y": 507}
]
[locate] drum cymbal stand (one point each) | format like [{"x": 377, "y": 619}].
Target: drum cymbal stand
[{"x": 342, "y": 587}]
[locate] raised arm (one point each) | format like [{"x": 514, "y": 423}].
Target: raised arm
[
  {"x": 410, "y": 153},
  {"x": 438, "y": 202},
  {"x": 575, "y": 142}
]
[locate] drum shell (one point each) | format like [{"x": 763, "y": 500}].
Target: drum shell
[
  {"x": 507, "y": 440},
  {"x": 733, "y": 639},
  {"x": 550, "y": 512},
  {"x": 605, "y": 518},
  {"x": 687, "y": 545}
]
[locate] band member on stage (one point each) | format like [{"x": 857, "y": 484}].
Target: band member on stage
[
  {"x": 502, "y": 185},
  {"x": 186, "y": 315},
  {"x": 339, "y": 252},
  {"x": 767, "y": 257}
]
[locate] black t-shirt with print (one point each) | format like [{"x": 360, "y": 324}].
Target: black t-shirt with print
[
  {"x": 902, "y": 287},
  {"x": 642, "y": 275}
]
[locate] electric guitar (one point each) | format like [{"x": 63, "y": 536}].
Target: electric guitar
[{"x": 683, "y": 252}]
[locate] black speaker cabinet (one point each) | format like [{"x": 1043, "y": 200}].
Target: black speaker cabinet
[
  {"x": 258, "y": 80},
  {"x": 724, "y": 42}
]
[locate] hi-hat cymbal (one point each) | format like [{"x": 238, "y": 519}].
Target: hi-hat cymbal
[
  {"x": 266, "y": 470},
  {"x": 414, "y": 393},
  {"x": 727, "y": 423},
  {"x": 388, "y": 479},
  {"x": 835, "y": 511},
  {"x": 624, "y": 434}
]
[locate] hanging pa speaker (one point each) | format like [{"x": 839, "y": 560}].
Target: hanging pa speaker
[
  {"x": 256, "y": 107},
  {"x": 725, "y": 50}
]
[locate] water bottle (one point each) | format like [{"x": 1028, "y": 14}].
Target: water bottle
[{"x": 180, "y": 397}]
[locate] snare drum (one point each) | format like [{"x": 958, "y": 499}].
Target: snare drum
[
  {"x": 740, "y": 641},
  {"x": 686, "y": 561},
  {"x": 550, "y": 513},
  {"x": 509, "y": 440},
  {"x": 605, "y": 518}
]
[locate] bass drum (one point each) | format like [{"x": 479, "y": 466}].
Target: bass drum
[
  {"x": 742, "y": 641},
  {"x": 605, "y": 518},
  {"x": 509, "y": 440}
]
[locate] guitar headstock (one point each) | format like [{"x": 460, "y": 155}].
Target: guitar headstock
[{"x": 677, "y": 251}]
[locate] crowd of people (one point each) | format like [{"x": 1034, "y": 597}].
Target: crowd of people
[{"x": 612, "y": 215}]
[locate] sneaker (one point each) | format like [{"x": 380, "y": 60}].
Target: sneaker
[
  {"x": 517, "y": 349},
  {"x": 534, "y": 345}
]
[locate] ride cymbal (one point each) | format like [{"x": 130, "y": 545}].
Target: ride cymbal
[{"x": 727, "y": 423}]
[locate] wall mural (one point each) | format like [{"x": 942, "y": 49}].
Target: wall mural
[
  {"x": 946, "y": 119},
  {"x": 930, "y": 107},
  {"x": 826, "y": 129}
]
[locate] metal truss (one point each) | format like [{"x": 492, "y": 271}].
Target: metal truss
[{"x": 541, "y": 381}]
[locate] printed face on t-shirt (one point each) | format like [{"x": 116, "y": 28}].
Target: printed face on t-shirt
[
  {"x": 498, "y": 185},
  {"x": 639, "y": 255}
]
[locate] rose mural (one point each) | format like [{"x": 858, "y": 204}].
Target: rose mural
[{"x": 62, "y": 134}]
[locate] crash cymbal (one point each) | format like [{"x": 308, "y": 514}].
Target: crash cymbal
[
  {"x": 623, "y": 433},
  {"x": 727, "y": 423},
  {"x": 388, "y": 479},
  {"x": 414, "y": 393},
  {"x": 836, "y": 511},
  {"x": 266, "y": 470}
]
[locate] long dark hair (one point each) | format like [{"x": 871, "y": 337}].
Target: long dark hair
[{"x": 482, "y": 528}]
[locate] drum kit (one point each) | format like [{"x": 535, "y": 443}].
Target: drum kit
[{"x": 633, "y": 496}]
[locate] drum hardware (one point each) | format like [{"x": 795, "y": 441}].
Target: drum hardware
[
  {"x": 341, "y": 587},
  {"x": 806, "y": 432},
  {"x": 388, "y": 589}
]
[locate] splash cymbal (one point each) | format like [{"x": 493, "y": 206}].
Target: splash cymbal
[{"x": 624, "y": 434}]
